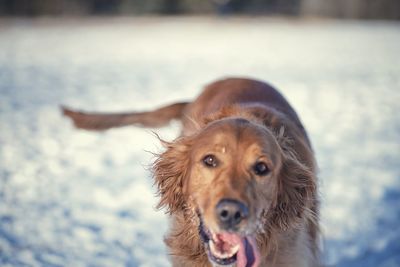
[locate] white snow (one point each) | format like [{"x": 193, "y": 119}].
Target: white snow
[{"x": 76, "y": 198}]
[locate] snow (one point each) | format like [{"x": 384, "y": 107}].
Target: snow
[{"x": 76, "y": 198}]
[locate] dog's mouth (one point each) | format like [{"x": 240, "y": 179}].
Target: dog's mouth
[{"x": 226, "y": 248}]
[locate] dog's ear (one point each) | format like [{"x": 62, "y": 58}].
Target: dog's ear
[
  {"x": 169, "y": 171},
  {"x": 297, "y": 193}
]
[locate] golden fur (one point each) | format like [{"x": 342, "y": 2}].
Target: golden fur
[{"x": 241, "y": 122}]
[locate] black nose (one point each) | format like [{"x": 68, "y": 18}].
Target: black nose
[{"x": 231, "y": 212}]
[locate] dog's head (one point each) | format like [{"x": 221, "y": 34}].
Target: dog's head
[{"x": 235, "y": 174}]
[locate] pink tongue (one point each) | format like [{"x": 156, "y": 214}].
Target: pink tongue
[{"x": 248, "y": 254}]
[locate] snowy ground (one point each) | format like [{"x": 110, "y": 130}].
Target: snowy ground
[{"x": 76, "y": 198}]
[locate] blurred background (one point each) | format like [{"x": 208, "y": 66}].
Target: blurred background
[
  {"x": 350, "y": 9},
  {"x": 75, "y": 198}
]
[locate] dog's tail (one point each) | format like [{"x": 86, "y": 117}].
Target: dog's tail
[{"x": 103, "y": 121}]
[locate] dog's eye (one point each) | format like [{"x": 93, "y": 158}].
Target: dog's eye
[
  {"x": 210, "y": 161},
  {"x": 261, "y": 169}
]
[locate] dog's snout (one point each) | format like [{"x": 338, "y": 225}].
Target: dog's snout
[{"x": 231, "y": 212}]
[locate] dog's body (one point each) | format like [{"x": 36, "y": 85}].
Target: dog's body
[{"x": 239, "y": 183}]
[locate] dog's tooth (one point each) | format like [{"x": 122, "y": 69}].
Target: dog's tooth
[
  {"x": 216, "y": 252},
  {"x": 231, "y": 252},
  {"x": 213, "y": 248},
  {"x": 234, "y": 250},
  {"x": 214, "y": 236},
  {"x": 223, "y": 255}
]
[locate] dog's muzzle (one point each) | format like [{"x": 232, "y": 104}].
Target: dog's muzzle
[{"x": 229, "y": 248}]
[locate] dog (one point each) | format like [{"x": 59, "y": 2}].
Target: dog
[{"x": 239, "y": 183}]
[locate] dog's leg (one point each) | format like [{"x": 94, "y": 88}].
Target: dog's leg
[{"x": 103, "y": 121}]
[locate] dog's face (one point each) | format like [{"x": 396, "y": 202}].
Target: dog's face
[
  {"x": 232, "y": 173},
  {"x": 232, "y": 181},
  {"x": 232, "y": 176}
]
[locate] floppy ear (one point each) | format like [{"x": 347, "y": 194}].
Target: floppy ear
[
  {"x": 169, "y": 171},
  {"x": 296, "y": 193}
]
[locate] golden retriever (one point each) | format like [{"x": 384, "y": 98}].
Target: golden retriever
[{"x": 239, "y": 183}]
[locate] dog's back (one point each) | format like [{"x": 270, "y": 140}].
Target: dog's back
[{"x": 237, "y": 91}]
